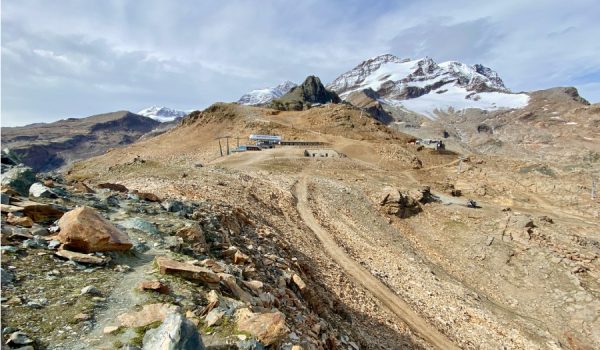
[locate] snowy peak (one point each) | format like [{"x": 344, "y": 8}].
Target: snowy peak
[
  {"x": 262, "y": 96},
  {"x": 162, "y": 114},
  {"x": 433, "y": 87},
  {"x": 394, "y": 77}
]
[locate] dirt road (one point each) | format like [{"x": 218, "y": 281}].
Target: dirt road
[{"x": 361, "y": 276}]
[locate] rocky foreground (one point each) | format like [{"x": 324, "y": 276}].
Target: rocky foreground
[{"x": 109, "y": 268}]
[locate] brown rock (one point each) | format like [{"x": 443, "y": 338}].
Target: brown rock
[
  {"x": 240, "y": 258},
  {"x": 48, "y": 183},
  {"x": 148, "y": 197},
  {"x": 194, "y": 236},
  {"x": 187, "y": 271},
  {"x": 84, "y": 229},
  {"x": 213, "y": 265},
  {"x": 269, "y": 328},
  {"x": 82, "y": 317},
  {"x": 231, "y": 283},
  {"x": 298, "y": 282},
  {"x": 80, "y": 257},
  {"x": 40, "y": 212},
  {"x": 113, "y": 187},
  {"x": 156, "y": 286},
  {"x": 149, "y": 313},
  {"x": 7, "y": 208},
  {"x": 23, "y": 221}
]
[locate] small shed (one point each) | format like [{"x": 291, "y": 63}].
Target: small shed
[{"x": 322, "y": 153}]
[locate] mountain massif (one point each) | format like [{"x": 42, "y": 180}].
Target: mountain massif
[
  {"x": 48, "y": 146},
  {"x": 408, "y": 204},
  {"x": 264, "y": 96}
]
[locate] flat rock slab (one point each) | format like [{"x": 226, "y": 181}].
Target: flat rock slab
[
  {"x": 80, "y": 257},
  {"x": 40, "y": 212},
  {"x": 149, "y": 313},
  {"x": 268, "y": 327},
  {"x": 85, "y": 230},
  {"x": 187, "y": 271}
]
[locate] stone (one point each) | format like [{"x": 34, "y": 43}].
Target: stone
[
  {"x": 400, "y": 203},
  {"x": 231, "y": 283},
  {"x": 39, "y": 231},
  {"x": 140, "y": 225},
  {"x": 4, "y": 198},
  {"x": 175, "y": 333},
  {"x": 40, "y": 212},
  {"x": 110, "y": 329},
  {"x": 82, "y": 317},
  {"x": 18, "y": 338},
  {"x": 149, "y": 313},
  {"x": 269, "y": 328},
  {"x": 48, "y": 183},
  {"x": 113, "y": 187},
  {"x": 187, "y": 271},
  {"x": 85, "y": 230},
  {"x": 7, "y": 208},
  {"x": 23, "y": 221},
  {"x": 416, "y": 163},
  {"x": 240, "y": 258},
  {"x": 38, "y": 190},
  {"x": 254, "y": 285},
  {"x": 19, "y": 179},
  {"x": 54, "y": 244},
  {"x": 156, "y": 286},
  {"x": 214, "y": 265},
  {"x": 172, "y": 206},
  {"x": 90, "y": 290},
  {"x": 194, "y": 236},
  {"x": 148, "y": 197},
  {"x": 6, "y": 277},
  {"x": 80, "y": 257},
  {"x": 298, "y": 282},
  {"x": 214, "y": 317}
]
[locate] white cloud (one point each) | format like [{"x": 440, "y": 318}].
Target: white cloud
[{"x": 77, "y": 58}]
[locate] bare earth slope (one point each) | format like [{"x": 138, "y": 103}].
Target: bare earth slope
[{"x": 521, "y": 272}]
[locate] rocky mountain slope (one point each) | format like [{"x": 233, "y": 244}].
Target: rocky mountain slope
[
  {"x": 47, "y": 146},
  {"x": 426, "y": 87},
  {"x": 162, "y": 114},
  {"x": 303, "y": 96},
  {"x": 519, "y": 271},
  {"x": 264, "y": 96}
]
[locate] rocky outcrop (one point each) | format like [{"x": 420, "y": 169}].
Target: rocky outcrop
[
  {"x": 404, "y": 203},
  {"x": 85, "y": 230},
  {"x": 149, "y": 313},
  {"x": 18, "y": 179},
  {"x": 175, "y": 333},
  {"x": 304, "y": 96}
]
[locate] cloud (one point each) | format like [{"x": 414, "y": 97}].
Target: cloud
[{"x": 73, "y": 58}]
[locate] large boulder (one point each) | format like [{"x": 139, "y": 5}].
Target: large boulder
[
  {"x": 38, "y": 190},
  {"x": 19, "y": 179},
  {"x": 84, "y": 229},
  {"x": 40, "y": 212},
  {"x": 404, "y": 203},
  {"x": 175, "y": 333},
  {"x": 269, "y": 328}
]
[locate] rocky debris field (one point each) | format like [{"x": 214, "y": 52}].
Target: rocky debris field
[{"x": 102, "y": 267}]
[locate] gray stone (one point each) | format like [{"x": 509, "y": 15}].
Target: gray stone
[
  {"x": 19, "y": 178},
  {"x": 38, "y": 190},
  {"x": 175, "y": 333},
  {"x": 173, "y": 206},
  {"x": 4, "y": 198},
  {"x": 54, "y": 244},
  {"x": 19, "y": 338},
  {"x": 250, "y": 344},
  {"x": 6, "y": 277},
  {"x": 140, "y": 224},
  {"x": 39, "y": 231},
  {"x": 90, "y": 290}
]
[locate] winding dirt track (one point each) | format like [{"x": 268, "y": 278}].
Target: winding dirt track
[{"x": 361, "y": 276}]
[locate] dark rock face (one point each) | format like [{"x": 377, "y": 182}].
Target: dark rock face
[
  {"x": 19, "y": 179},
  {"x": 303, "y": 96},
  {"x": 50, "y": 146}
]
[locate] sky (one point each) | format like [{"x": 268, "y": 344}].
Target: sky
[{"x": 65, "y": 58}]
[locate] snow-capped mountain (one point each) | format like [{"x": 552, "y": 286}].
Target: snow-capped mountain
[
  {"x": 261, "y": 96},
  {"x": 162, "y": 114},
  {"x": 425, "y": 86}
]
